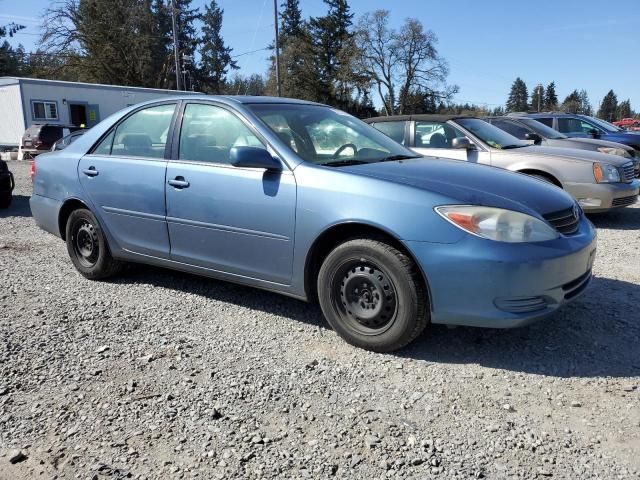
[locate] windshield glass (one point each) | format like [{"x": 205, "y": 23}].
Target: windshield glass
[
  {"x": 606, "y": 125},
  {"x": 541, "y": 129},
  {"x": 489, "y": 134},
  {"x": 326, "y": 136}
]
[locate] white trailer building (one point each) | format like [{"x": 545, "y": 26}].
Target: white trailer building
[{"x": 24, "y": 101}]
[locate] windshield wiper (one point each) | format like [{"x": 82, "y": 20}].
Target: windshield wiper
[
  {"x": 342, "y": 163},
  {"x": 392, "y": 158}
]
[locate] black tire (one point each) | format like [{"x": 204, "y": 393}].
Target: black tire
[
  {"x": 5, "y": 199},
  {"x": 373, "y": 295},
  {"x": 88, "y": 248}
]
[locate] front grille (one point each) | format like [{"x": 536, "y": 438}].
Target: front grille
[
  {"x": 624, "y": 201},
  {"x": 565, "y": 221},
  {"x": 521, "y": 304},
  {"x": 577, "y": 286},
  {"x": 629, "y": 172}
]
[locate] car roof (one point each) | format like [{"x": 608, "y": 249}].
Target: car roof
[
  {"x": 424, "y": 116},
  {"x": 543, "y": 114},
  {"x": 237, "y": 99}
]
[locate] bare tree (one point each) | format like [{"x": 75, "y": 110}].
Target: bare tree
[{"x": 401, "y": 63}]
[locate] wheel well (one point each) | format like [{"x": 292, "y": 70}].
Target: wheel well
[
  {"x": 551, "y": 178},
  {"x": 68, "y": 207},
  {"x": 338, "y": 234}
]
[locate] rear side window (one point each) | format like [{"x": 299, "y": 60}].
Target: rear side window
[
  {"x": 546, "y": 121},
  {"x": 394, "y": 130},
  {"x": 143, "y": 134},
  {"x": 435, "y": 135},
  {"x": 208, "y": 133},
  {"x": 512, "y": 128}
]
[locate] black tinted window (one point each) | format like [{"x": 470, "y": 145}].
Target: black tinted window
[
  {"x": 546, "y": 121},
  {"x": 574, "y": 125},
  {"x": 394, "y": 130},
  {"x": 512, "y": 128}
]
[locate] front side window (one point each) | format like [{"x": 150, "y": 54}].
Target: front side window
[
  {"x": 545, "y": 121},
  {"x": 45, "y": 110},
  {"x": 394, "y": 130},
  {"x": 435, "y": 134},
  {"x": 542, "y": 129},
  {"x": 574, "y": 125},
  {"x": 326, "y": 136},
  {"x": 143, "y": 134},
  {"x": 208, "y": 133},
  {"x": 491, "y": 135}
]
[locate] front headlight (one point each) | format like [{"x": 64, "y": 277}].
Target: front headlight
[
  {"x": 614, "y": 151},
  {"x": 605, "y": 173},
  {"x": 497, "y": 224}
]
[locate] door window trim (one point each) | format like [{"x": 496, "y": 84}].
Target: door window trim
[
  {"x": 174, "y": 156},
  {"x": 168, "y": 145}
]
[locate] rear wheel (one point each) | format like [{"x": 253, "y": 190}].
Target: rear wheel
[
  {"x": 372, "y": 295},
  {"x": 87, "y": 246}
]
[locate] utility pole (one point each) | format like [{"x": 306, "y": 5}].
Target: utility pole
[
  {"x": 539, "y": 87},
  {"x": 275, "y": 17},
  {"x": 174, "y": 27}
]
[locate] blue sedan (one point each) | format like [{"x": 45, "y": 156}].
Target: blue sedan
[{"x": 305, "y": 200}]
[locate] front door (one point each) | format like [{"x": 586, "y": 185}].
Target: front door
[
  {"x": 78, "y": 114},
  {"x": 124, "y": 176},
  {"x": 436, "y": 139},
  {"x": 235, "y": 220}
]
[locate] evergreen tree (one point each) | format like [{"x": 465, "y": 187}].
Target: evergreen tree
[
  {"x": 215, "y": 56},
  {"x": 608, "y": 107},
  {"x": 537, "y": 98},
  {"x": 585, "y": 104},
  {"x": 329, "y": 34},
  {"x": 291, "y": 23},
  {"x": 518, "y": 97},
  {"x": 624, "y": 110},
  {"x": 572, "y": 103},
  {"x": 550, "y": 97}
]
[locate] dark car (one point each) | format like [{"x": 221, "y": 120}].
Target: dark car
[
  {"x": 64, "y": 142},
  {"x": 6, "y": 185},
  {"x": 583, "y": 126},
  {"x": 40, "y": 137},
  {"x": 526, "y": 128}
]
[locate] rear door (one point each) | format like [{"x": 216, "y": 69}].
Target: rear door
[
  {"x": 124, "y": 176},
  {"x": 235, "y": 220}
]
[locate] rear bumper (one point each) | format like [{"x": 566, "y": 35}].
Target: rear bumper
[
  {"x": 482, "y": 283},
  {"x": 46, "y": 212},
  {"x": 610, "y": 195}
]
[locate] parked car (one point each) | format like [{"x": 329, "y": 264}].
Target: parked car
[
  {"x": 7, "y": 185},
  {"x": 629, "y": 124},
  {"x": 40, "y": 137},
  {"x": 574, "y": 125},
  {"x": 64, "y": 142},
  {"x": 599, "y": 182},
  {"x": 525, "y": 128},
  {"x": 252, "y": 190}
]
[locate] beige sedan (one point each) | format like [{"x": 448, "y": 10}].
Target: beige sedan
[{"x": 600, "y": 182}]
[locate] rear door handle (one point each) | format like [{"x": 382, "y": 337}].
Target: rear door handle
[
  {"x": 179, "y": 182},
  {"x": 90, "y": 172}
]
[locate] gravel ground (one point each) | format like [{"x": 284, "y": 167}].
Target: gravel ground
[{"x": 165, "y": 375}]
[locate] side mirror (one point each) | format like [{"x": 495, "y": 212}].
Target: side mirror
[
  {"x": 462, "y": 143},
  {"x": 253, "y": 157},
  {"x": 594, "y": 132},
  {"x": 537, "y": 139}
]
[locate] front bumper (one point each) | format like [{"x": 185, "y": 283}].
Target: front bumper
[
  {"x": 482, "y": 283},
  {"x": 610, "y": 195}
]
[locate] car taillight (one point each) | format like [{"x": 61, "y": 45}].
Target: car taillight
[{"x": 32, "y": 172}]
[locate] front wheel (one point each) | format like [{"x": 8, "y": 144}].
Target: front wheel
[
  {"x": 373, "y": 295},
  {"x": 87, "y": 246}
]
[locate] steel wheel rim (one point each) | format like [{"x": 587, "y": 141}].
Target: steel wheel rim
[
  {"x": 365, "y": 297},
  {"x": 85, "y": 244}
]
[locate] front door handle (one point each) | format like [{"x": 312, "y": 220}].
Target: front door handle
[
  {"x": 90, "y": 172},
  {"x": 179, "y": 182}
]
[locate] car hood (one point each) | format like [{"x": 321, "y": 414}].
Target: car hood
[
  {"x": 566, "y": 154},
  {"x": 595, "y": 143},
  {"x": 471, "y": 184}
]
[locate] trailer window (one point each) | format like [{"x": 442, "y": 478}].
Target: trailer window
[{"x": 43, "y": 110}]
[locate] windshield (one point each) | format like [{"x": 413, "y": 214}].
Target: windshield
[
  {"x": 605, "y": 125},
  {"x": 491, "y": 135},
  {"x": 326, "y": 136},
  {"x": 541, "y": 129}
]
